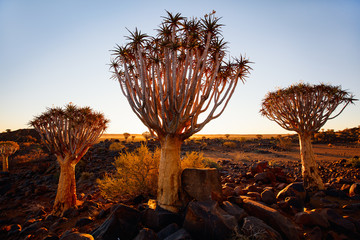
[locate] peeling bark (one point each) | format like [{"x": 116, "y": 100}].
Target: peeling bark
[
  {"x": 312, "y": 179},
  {"x": 169, "y": 183},
  {"x": 66, "y": 192}
]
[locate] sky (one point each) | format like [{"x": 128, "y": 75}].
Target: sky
[{"x": 56, "y": 52}]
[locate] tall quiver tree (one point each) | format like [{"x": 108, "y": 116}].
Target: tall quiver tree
[
  {"x": 7, "y": 148},
  {"x": 68, "y": 133},
  {"x": 305, "y": 108},
  {"x": 176, "y": 82}
]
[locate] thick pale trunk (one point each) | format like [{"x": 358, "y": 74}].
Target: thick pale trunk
[
  {"x": 312, "y": 179},
  {"x": 5, "y": 164},
  {"x": 66, "y": 192},
  {"x": 169, "y": 184}
]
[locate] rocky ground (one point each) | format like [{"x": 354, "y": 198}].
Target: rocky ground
[{"x": 259, "y": 195}]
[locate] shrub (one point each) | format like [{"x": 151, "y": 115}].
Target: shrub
[
  {"x": 136, "y": 173},
  {"x": 355, "y": 162},
  {"x": 229, "y": 144},
  {"x": 116, "y": 146},
  {"x": 284, "y": 143},
  {"x": 197, "y": 160},
  {"x": 86, "y": 176},
  {"x": 193, "y": 160}
]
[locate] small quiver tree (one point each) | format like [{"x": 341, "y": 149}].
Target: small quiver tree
[
  {"x": 7, "y": 148},
  {"x": 68, "y": 133},
  {"x": 177, "y": 82},
  {"x": 126, "y": 136},
  {"x": 305, "y": 108}
]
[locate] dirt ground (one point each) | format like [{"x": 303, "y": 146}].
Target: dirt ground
[{"x": 323, "y": 152}]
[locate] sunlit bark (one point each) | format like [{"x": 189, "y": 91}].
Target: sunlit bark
[
  {"x": 169, "y": 184},
  {"x": 310, "y": 172}
]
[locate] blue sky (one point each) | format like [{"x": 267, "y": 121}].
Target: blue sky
[{"x": 56, "y": 52}]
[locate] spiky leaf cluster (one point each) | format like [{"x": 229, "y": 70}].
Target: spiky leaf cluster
[
  {"x": 174, "y": 77},
  {"x": 8, "y": 148},
  {"x": 69, "y": 131},
  {"x": 305, "y": 108}
]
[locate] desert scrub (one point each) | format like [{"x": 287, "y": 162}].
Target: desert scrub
[
  {"x": 197, "y": 160},
  {"x": 284, "y": 143},
  {"x": 229, "y": 144},
  {"x": 116, "y": 146},
  {"x": 136, "y": 173},
  {"x": 355, "y": 162}
]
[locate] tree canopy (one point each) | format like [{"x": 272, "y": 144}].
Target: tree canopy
[
  {"x": 179, "y": 74},
  {"x": 305, "y": 108}
]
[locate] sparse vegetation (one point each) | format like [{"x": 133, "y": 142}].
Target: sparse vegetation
[
  {"x": 7, "y": 148},
  {"x": 193, "y": 160},
  {"x": 229, "y": 144},
  {"x": 136, "y": 173},
  {"x": 355, "y": 162},
  {"x": 284, "y": 143},
  {"x": 116, "y": 146}
]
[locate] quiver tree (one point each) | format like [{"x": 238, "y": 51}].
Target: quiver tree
[
  {"x": 7, "y": 148},
  {"x": 305, "y": 108},
  {"x": 177, "y": 82},
  {"x": 68, "y": 133},
  {"x": 126, "y": 136}
]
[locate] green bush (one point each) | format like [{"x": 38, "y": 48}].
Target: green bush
[{"x": 136, "y": 173}]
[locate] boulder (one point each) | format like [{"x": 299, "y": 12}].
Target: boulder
[
  {"x": 76, "y": 236},
  {"x": 265, "y": 177},
  {"x": 295, "y": 189},
  {"x": 146, "y": 234},
  {"x": 122, "y": 223},
  {"x": 201, "y": 184},
  {"x": 354, "y": 189},
  {"x": 206, "y": 220},
  {"x": 273, "y": 218},
  {"x": 268, "y": 197},
  {"x": 159, "y": 218},
  {"x": 258, "y": 167},
  {"x": 49, "y": 237},
  {"x": 239, "y": 191},
  {"x": 336, "y": 220},
  {"x": 255, "y": 228},
  {"x": 311, "y": 219},
  {"x": 167, "y": 231},
  {"x": 314, "y": 234},
  {"x": 83, "y": 221},
  {"x": 234, "y": 210},
  {"x": 181, "y": 234},
  {"x": 228, "y": 191}
]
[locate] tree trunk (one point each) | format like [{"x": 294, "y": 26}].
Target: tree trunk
[
  {"x": 66, "y": 192},
  {"x": 169, "y": 183},
  {"x": 312, "y": 179},
  {"x": 5, "y": 163}
]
